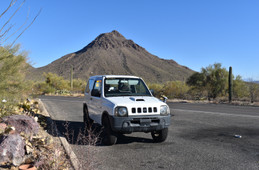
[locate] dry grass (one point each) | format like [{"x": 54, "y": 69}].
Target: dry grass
[{"x": 86, "y": 139}]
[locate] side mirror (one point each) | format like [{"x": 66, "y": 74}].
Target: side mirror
[
  {"x": 164, "y": 98},
  {"x": 152, "y": 92},
  {"x": 96, "y": 93}
]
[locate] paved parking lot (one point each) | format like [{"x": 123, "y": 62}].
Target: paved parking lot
[{"x": 202, "y": 136}]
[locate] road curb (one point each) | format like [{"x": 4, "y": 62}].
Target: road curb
[{"x": 73, "y": 158}]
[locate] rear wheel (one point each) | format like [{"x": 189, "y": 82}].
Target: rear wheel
[
  {"x": 110, "y": 137},
  {"x": 87, "y": 120},
  {"x": 160, "y": 135}
]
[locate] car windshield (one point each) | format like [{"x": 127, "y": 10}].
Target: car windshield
[{"x": 125, "y": 87}]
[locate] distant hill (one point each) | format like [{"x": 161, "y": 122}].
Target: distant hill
[{"x": 112, "y": 53}]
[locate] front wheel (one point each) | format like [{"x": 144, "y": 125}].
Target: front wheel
[
  {"x": 110, "y": 137},
  {"x": 160, "y": 135},
  {"x": 87, "y": 120}
]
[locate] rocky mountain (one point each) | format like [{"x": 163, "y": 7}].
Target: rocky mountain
[{"x": 112, "y": 53}]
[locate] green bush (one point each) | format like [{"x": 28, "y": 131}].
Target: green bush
[
  {"x": 55, "y": 84},
  {"x": 55, "y": 81},
  {"x": 13, "y": 87},
  {"x": 43, "y": 88},
  {"x": 253, "y": 89},
  {"x": 212, "y": 79},
  {"x": 176, "y": 89},
  {"x": 79, "y": 85},
  {"x": 158, "y": 89},
  {"x": 240, "y": 88}
]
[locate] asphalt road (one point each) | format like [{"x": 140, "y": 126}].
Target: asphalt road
[{"x": 202, "y": 136}]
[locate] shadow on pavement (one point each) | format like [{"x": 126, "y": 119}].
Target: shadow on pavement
[{"x": 76, "y": 133}]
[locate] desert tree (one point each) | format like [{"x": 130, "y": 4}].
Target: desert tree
[
  {"x": 240, "y": 88},
  {"x": 13, "y": 88},
  {"x": 253, "y": 89},
  {"x": 212, "y": 79},
  {"x": 197, "y": 82},
  {"x": 13, "y": 64}
]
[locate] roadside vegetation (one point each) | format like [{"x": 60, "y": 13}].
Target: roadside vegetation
[
  {"x": 13, "y": 87},
  {"x": 55, "y": 84},
  {"x": 210, "y": 84}
]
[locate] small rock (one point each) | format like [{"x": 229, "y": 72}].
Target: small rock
[
  {"x": 9, "y": 130},
  {"x": 2, "y": 127},
  {"x": 12, "y": 149},
  {"x": 36, "y": 119},
  {"x": 27, "y": 167},
  {"x": 29, "y": 148},
  {"x": 22, "y": 123},
  {"x": 24, "y": 166}
]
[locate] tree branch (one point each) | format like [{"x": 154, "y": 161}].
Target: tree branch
[
  {"x": 12, "y": 15},
  {"x": 11, "y": 4},
  {"x": 27, "y": 18}
]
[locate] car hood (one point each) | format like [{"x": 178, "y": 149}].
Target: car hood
[{"x": 135, "y": 100}]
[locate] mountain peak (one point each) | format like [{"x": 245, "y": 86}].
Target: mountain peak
[
  {"x": 115, "y": 33},
  {"x": 111, "y": 40},
  {"x": 111, "y": 36}
]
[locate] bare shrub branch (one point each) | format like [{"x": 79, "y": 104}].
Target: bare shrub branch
[
  {"x": 9, "y": 32},
  {"x": 12, "y": 16},
  {"x": 10, "y": 5}
]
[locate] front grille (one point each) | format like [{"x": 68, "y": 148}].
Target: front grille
[{"x": 144, "y": 110}]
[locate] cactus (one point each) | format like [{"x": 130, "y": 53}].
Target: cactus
[
  {"x": 230, "y": 85},
  {"x": 71, "y": 78}
]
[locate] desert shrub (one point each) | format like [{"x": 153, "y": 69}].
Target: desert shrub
[
  {"x": 176, "y": 89},
  {"x": 212, "y": 79},
  {"x": 55, "y": 84},
  {"x": 79, "y": 85},
  {"x": 13, "y": 87},
  {"x": 253, "y": 90},
  {"x": 43, "y": 88},
  {"x": 240, "y": 88},
  {"x": 158, "y": 89},
  {"x": 56, "y": 81}
]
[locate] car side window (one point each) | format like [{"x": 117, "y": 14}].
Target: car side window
[
  {"x": 97, "y": 90},
  {"x": 89, "y": 85}
]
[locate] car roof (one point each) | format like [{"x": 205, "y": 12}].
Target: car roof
[{"x": 113, "y": 76}]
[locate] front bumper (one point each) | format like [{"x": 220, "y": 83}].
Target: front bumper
[{"x": 139, "y": 123}]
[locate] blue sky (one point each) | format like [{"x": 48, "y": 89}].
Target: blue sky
[{"x": 194, "y": 33}]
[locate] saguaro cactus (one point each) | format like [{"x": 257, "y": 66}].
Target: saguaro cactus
[
  {"x": 71, "y": 77},
  {"x": 230, "y": 84}
]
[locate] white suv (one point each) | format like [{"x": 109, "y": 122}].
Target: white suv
[{"x": 123, "y": 104}]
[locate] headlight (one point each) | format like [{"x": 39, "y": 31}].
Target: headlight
[
  {"x": 164, "y": 110},
  {"x": 121, "y": 111}
]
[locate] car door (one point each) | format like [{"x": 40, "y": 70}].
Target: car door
[
  {"x": 95, "y": 102},
  {"x": 88, "y": 96}
]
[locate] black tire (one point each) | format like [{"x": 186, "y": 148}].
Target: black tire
[
  {"x": 160, "y": 135},
  {"x": 87, "y": 120},
  {"x": 110, "y": 137}
]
